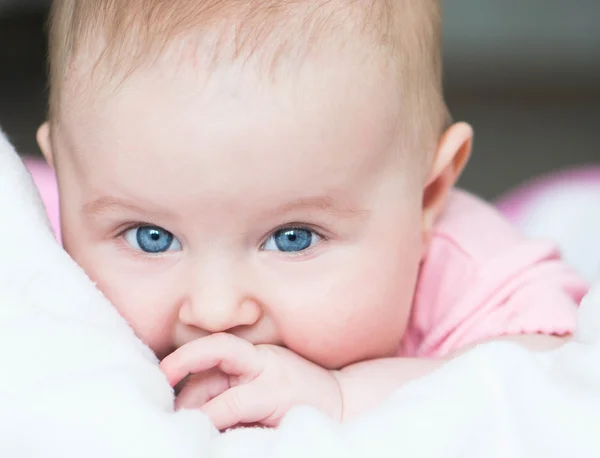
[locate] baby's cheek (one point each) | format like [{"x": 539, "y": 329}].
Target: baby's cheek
[
  {"x": 346, "y": 324},
  {"x": 143, "y": 304}
]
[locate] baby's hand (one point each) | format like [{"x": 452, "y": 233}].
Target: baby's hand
[{"x": 237, "y": 383}]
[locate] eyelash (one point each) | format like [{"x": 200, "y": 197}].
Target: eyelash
[{"x": 129, "y": 227}]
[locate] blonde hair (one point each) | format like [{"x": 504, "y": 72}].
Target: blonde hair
[{"x": 131, "y": 32}]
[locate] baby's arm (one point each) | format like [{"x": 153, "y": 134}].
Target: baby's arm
[{"x": 367, "y": 384}]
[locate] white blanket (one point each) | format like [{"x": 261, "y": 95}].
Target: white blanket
[{"x": 76, "y": 382}]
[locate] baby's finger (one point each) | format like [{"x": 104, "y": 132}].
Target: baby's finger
[
  {"x": 198, "y": 389},
  {"x": 243, "y": 404},
  {"x": 230, "y": 354}
]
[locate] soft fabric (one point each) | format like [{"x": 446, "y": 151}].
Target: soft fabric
[
  {"x": 76, "y": 382},
  {"x": 563, "y": 206},
  {"x": 476, "y": 283}
]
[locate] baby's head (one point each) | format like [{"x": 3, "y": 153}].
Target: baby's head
[{"x": 268, "y": 168}]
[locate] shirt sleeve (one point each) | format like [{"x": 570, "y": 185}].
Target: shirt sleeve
[{"x": 483, "y": 280}]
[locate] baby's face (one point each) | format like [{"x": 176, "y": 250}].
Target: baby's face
[{"x": 273, "y": 210}]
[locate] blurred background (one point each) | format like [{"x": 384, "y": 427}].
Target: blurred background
[{"x": 525, "y": 73}]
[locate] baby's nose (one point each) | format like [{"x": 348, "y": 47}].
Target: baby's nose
[{"x": 218, "y": 304}]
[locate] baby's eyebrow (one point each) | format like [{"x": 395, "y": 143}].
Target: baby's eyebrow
[
  {"x": 323, "y": 203},
  {"x": 107, "y": 203}
]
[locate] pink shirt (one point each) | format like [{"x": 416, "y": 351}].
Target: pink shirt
[{"x": 481, "y": 278}]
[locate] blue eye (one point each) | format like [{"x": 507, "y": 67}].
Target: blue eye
[
  {"x": 152, "y": 239},
  {"x": 291, "y": 240}
]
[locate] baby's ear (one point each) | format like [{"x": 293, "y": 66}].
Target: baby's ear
[
  {"x": 454, "y": 149},
  {"x": 45, "y": 143}
]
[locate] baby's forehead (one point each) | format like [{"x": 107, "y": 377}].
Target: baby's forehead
[
  {"x": 177, "y": 85},
  {"x": 189, "y": 65},
  {"x": 235, "y": 114}
]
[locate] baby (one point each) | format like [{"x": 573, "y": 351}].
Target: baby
[{"x": 265, "y": 191}]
